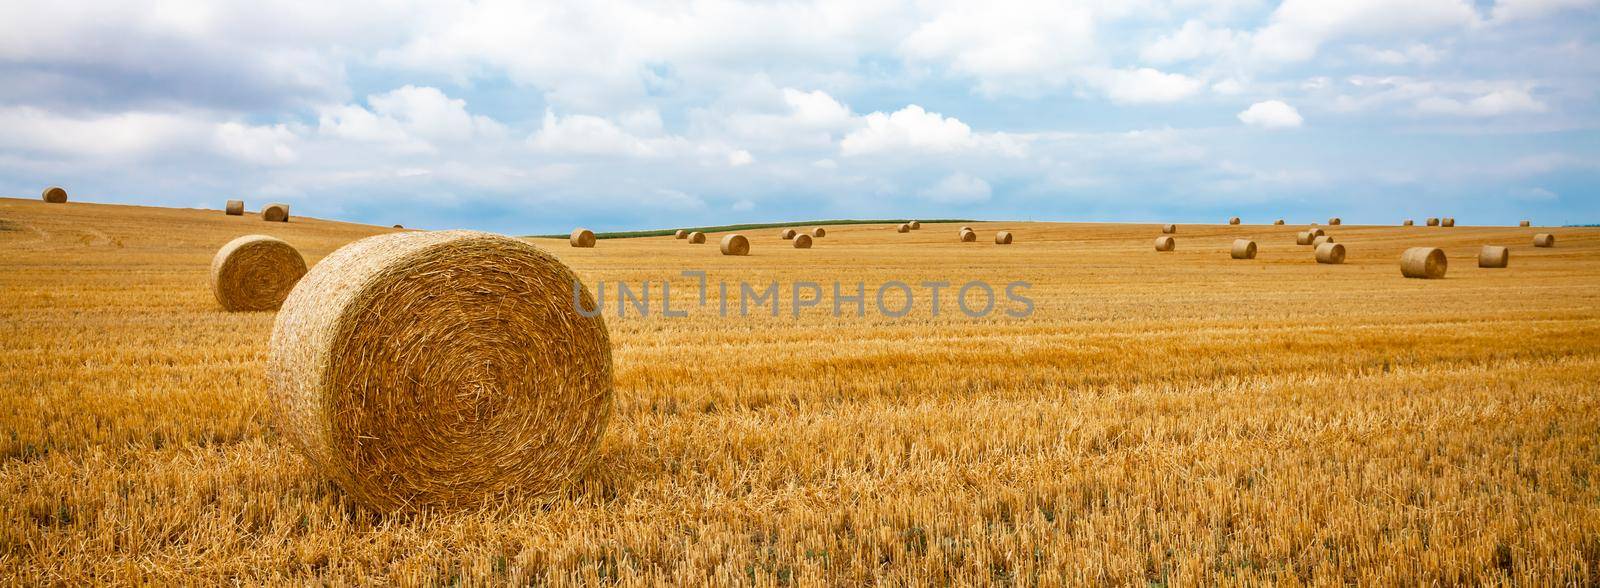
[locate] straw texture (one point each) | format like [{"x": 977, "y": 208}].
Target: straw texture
[
  {"x": 1494, "y": 256},
  {"x": 735, "y": 244},
  {"x": 1166, "y": 243},
  {"x": 1320, "y": 239},
  {"x": 1433, "y": 222},
  {"x": 1233, "y": 221},
  {"x": 1169, "y": 229},
  {"x": 1330, "y": 253},
  {"x": 697, "y": 237},
  {"x": 1525, "y": 224},
  {"x": 1244, "y": 249},
  {"x": 275, "y": 212},
  {"x": 1335, "y": 221},
  {"x": 818, "y": 233},
  {"x": 1002, "y": 238},
  {"x": 680, "y": 234},
  {"x": 1448, "y": 222},
  {"x": 802, "y": 241},
  {"x": 54, "y": 195},
  {"x": 1544, "y": 240},
  {"x": 1423, "y": 262},
  {"x": 581, "y": 237},
  {"x": 437, "y": 371},
  {"x": 968, "y": 236},
  {"x": 234, "y": 208},
  {"x": 787, "y": 234},
  {"x": 915, "y": 225},
  {"x": 903, "y": 228},
  {"x": 255, "y": 272}
]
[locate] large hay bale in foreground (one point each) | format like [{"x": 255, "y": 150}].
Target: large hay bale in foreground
[
  {"x": 915, "y": 225},
  {"x": 680, "y": 234},
  {"x": 441, "y": 371},
  {"x": 1335, "y": 221},
  {"x": 1433, "y": 222},
  {"x": 1544, "y": 240},
  {"x": 1166, "y": 243},
  {"x": 1244, "y": 249},
  {"x": 1330, "y": 253},
  {"x": 1423, "y": 262},
  {"x": 581, "y": 237},
  {"x": 1525, "y": 224},
  {"x": 1447, "y": 222},
  {"x": 969, "y": 236},
  {"x": 54, "y": 195},
  {"x": 1320, "y": 239},
  {"x": 1002, "y": 238},
  {"x": 697, "y": 237},
  {"x": 735, "y": 244},
  {"x": 802, "y": 241},
  {"x": 276, "y": 212},
  {"x": 255, "y": 272},
  {"x": 234, "y": 208},
  {"x": 787, "y": 234},
  {"x": 1233, "y": 221},
  {"x": 1494, "y": 256},
  {"x": 1169, "y": 229},
  {"x": 818, "y": 233},
  {"x": 903, "y": 228}
]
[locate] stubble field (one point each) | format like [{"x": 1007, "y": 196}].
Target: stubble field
[{"x": 1173, "y": 418}]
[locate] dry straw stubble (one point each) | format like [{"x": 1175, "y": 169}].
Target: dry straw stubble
[
  {"x": 735, "y": 244},
  {"x": 441, "y": 370},
  {"x": 581, "y": 237},
  {"x": 1423, "y": 262},
  {"x": 1494, "y": 256},
  {"x": 54, "y": 195},
  {"x": 1330, "y": 253},
  {"x": 255, "y": 272},
  {"x": 234, "y": 208},
  {"x": 276, "y": 212},
  {"x": 1243, "y": 249},
  {"x": 1166, "y": 243}
]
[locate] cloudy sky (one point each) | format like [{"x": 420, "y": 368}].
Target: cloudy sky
[{"x": 539, "y": 116}]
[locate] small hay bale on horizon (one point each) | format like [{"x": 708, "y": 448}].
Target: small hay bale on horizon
[
  {"x": 1335, "y": 221},
  {"x": 255, "y": 272},
  {"x": 1433, "y": 221},
  {"x": 818, "y": 233},
  {"x": 1166, "y": 243},
  {"x": 1494, "y": 256},
  {"x": 1233, "y": 221},
  {"x": 1447, "y": 222},
  {"x": 234, "y": 208},
  {"x": 735, "y": 244},
  {"x": 787, "y": 234},
  {"x": 1169, "y": 228},
  {"x": 1331, "y": 253},
  {"x": 1525, "y": 224},
  {"x": 969, "y": 236},
  {"x": 1408, "y": 222},
  {"x": 439, "y": 371},
  {"x": 680, "y": 234},
  {"x": 54, "y": 195},
  {"x": 802, "y": 241},
  {"x": 697, "y": 237},
  {"x": 1427, "y": 263},
  {"x": 581, "y": 237},
  {"x": 1243, "y": 249},
  {"x": 1002, "y": 238},
  {"x": 276, "y": 212},
  {"x": 1544, "y": 240},
  {"x": 1278, "y": 222},
  {"x": 399, "y": 226}
]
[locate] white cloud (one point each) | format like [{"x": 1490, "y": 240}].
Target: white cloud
[
  {"x": 1194, "y": 40},
  {"x": 1009, "y": 47},
  {"x": 1272, "y": 114},
  {"x": 581, "y": 134},
  {"x": 1508, "y": 10},
  {"x": 739, "y": 157},
  {"x": 127, "y": 135},
  {"x": 428, "y": 113},
  {"x": 1415, "y": 53},
  {"x": 265, "y": 145},
  {"x": 1144, "y": 85},
  {"x": 913, "y": 129},
  {"x": 1298, "y": 28},
  {"x": 1496, "y": 103},
  {"x": 1533, "y": 193},
  {"x": 959, "y": 188}
]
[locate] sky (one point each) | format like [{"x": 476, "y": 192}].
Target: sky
[{"x": 536, "y": 117}]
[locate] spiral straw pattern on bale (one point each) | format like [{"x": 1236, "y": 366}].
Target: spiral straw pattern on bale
[
  {"x": 1002, "y": 238},
  {"x": 697, "y": 237},
  {"x": 818, "y": 233},
  {"x": 1243, "y": 249},
  {"x": 1423, "y": 262},
  {"x": 1330, "y": 253},
  {"x": 255, "y": 272},
  {"x": 969, "y": 236},
  {"x": 441, "y": 371},
  {"x": 1233, "y": 221},
  {"x": 1494, "y": 256},
  {"x": 234, "y": 208},
  {"x": 1169, "y": 229},
  {"x": 787, "y": 234},
  {"x": 1335, "y": 221},
  {"x": 680, "y": 234},
  {"x": 903, "y": 228},
  {"x": 1166, "y": 243},
  {"x": 581, "y": 237},
  {"x": 54, "y": 195},
  {"x": 1447, "y": 222},
  {"x": 735, "y": 244},
  {"x": 802, "y": 241},
  {"x": 275, "y": 212},
  {"x": 1544, "y": 240}
]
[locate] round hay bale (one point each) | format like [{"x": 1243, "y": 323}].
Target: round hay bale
[
  {"x": 1447, "y": 222},
  {"x": 697, "y": 237},
  {"x": 1494, "y": 256},
  {"x": 1330, "y": 253},
  {"x": 1407, "y": 223},
  {"x": 1303, "y": 238},
  {"x": 1319, "y": 240},
  {"x": 818, "y": 233},
  {"x": 680, "y": 234},
  {"x": 1002, "y": 238},
  {"x": 969, "y": 236},
  {"x": 255, "y": 272},
  {"x": 1544, "y": 240},
  {"x": 1525, "y": 224},
  {"x": 399, "y": 226},
  {"x": 1335, "y": 221},
  {"x": 802, "y": 241},
  {"x": 581, "y": 237},
  {"x": 1423, "y": 262},
  {"x": 1316, "y": 233},
  {"x": 1233, "y": 221},
  {"x": 275, "y": 212},
  {"x": 903, "y": 228},
  {"x": 1244, "y": 249},
  {"x": 965, "y": 228},
  {"x": 735, "y": 244},
  {"x": 54, "y": 195},
  {"x": 234, "y": 208},
  {"x": 787, "y": 234},
  {"x": 441, "y": 370},
  {"x": 1166, "y": 243},
  {"x": 1433, "y": 222},
  {"x": 1278, "y": 222},
  {"x": 1169, "y": 229},
  {"x": 915, "y": 226}
]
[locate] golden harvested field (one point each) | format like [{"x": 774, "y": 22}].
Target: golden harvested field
[{"x": 1174, "y": 417}]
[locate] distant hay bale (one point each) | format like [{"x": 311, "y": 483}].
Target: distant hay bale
[
  {"x": 697, "y": 237},
  {"x": 441, "y": 371},
  {"x": 1169, "y": 229},
  {"x": 1544, "y": 240},
  {"x": 1002, "y": 238},
  {"x": 965, "y": 228},
  {"x": 1244, "y": 249},
  {"x": 1316, "y": 233},
  {"x": 915, "y": 226},
  {"x": 255, "y": 272},
  {"x": 1303, "y": 238},
  {"x": 903, "y": 228},
  {"x": 969, "y": 236},
  {"x": 1320, "y": 239},
  {"x": 802, "y": 241},
  {"x": 787, "y": 234},
  {"x": 234, "y": 208},
  {"x": 1423, "y": 262},
  {"x": 54, "y": 195},
  {"x": 1526, "y": 223},
  {"x": 1233, "y": 221},
  {"x": 1278, "y": 222},
  {"x": 1330, "y": 253},
  {"x": 1166, "y": 243},
  {"x": 398, "y": 226},
  {"x": 818, "y": 233},
  {"x": 1433, "y": 222},
  {"x": 276, "y": 212},
  {"x": 581, "y": 237},
  {"x": 735, "y": 244},
  {"x": 680, "y": 234},
  {"x": 1494, "y": 256},
  {"x": 1447, "y": 222},
  {"x": 1407, "y": 223},
  {"x": 1335, "y": 221}
]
